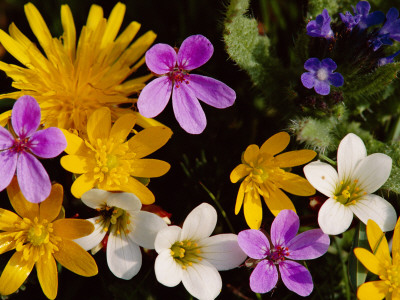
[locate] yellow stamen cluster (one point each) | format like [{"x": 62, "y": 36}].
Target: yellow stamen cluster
[
  {"x": 186, "y": 253},
  {"x": 35, "y": 238},
  {"x": 112, "y": 162},
  {"x": 114, "y": 219},
  {"x": 392, "y": 277},
  {"x": 348, "y": 192}
]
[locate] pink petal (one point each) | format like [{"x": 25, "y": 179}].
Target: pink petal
[
  {"x": 187, "y": 110},
  {"x": 154, "y": 97},
  {"x": 161, "y": 58},
  {"x": 25, "y": 116},
  {"x": 8, "y": 163},
  {"x": 194, "y": 52},
  {"x": 48, "y": 143},
  {"x": 264, "y": 277},
  {"x": 308, "y": 245},
  {"x": 212, "y": 91},
  {"x": 284, "y": 227},
  {"x": 254, "y": 243},
  {"x": 296, "y": 277},
  {"x": 32, "y": 178}
]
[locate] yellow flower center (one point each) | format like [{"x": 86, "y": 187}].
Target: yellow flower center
[
  {"x": 112, "y": 163},
  {"x": 35, "y": 238},
  {"x": 186, "y": 253},
  {"x": 392, "y": 278},
  {"x": 114, "y": 219},
  {"x": 348, "y": 192}
]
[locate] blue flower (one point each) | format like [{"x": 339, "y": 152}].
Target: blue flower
[
  {"x": 387, "y": 60},
  {"x": 389, "y": 31},
  {"x": 361, "y": 17},
  {"x": 320, "y": 27},
  {"x": 320, "y": 75}
]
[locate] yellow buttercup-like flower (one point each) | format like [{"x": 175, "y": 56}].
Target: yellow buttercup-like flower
[
  {"x": 70, "y": 81},
  {"x": 265, "y": 173},
  {"x": 40, "y": 238},
  {"x": 108, "y": 162},
  {"x": 380, "y": 263}
]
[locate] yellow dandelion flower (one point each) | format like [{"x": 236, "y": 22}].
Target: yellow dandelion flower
[
  {"x": 380, "y": 263},
  {"x": 40, "y": 238},
  {"x": 70, "y": 82},
  {"x": 265, "y": 174},
  {"x": 108, "y": 162}
]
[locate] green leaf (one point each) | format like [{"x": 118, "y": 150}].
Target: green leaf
[{"x": 357, "y": 271}]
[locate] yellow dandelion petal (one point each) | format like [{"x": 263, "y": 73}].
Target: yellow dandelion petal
[
  {"x": 378, "y": 243},
  {"x": 252, "y": 209},
  {"x": 72, "y": 228},
  {"x": 295, "y": 158},
  {"x": 276, "y": 143},
  {"x": 149, "y": 168},
  {"x": 278, "y": 201},
  {"x": 373, "y": 290},
  {"x": 47, "y": 273},
  {"x": 239, "y": 172}
]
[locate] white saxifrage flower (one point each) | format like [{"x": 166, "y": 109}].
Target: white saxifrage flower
[
  {"x": 350, "y": 188},
  {"x": 127, "y": 227},
  {"x": 190, "y": 255}
]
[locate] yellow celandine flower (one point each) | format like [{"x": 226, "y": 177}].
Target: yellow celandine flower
[
  {"x": 40, "y": 237},
  {"x": 70, "y": 82},
  {"x": 265, "y": 174},
  {"x": 108, "y": 162},
  {"x": 380, "y": 263}
]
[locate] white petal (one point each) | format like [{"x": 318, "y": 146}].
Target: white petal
[
  {"x": 144, "y": 228},
  {"x": 95, "y": 198},
  {"x": 222, "y": 251},
  {"x": 202, "y": 280},
  {"x": 166, "y": 237},
  {"x": 123, "y": 256},
  {"x": 126, "y": 201},
  {"x": 351, "y": 150},
  {"x": 322, "y": 177},
  {"x": 373, "y": 171},
  {"x": 199, "y": 223},
  {"x": 92, "y": 240},
  {"x": 334, "y": 217},
  {"x": 375, "y": 208},
  {"x": 168, "y": 272}
]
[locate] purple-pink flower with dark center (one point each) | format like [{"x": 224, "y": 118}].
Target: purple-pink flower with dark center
[
  {"x": 186, "y": 89},
  {"x": 284, "y": 248},
  {"x": 321, "y": 75},
  {"x": 18, "y": 150}
]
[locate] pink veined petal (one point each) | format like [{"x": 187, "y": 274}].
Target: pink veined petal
[
  {"x": 187, "y": 110},
  {"x": 25, "y": 116},
  {"x": 377, "y": 209},
  {"x": 296, "y": 277},
  {"x": 161, "y": 58},
  {"x": 154, "y": 97},
  {"x": 199, "y": 223},
  {"x": 92, "y": 240},
  {"x": 254, "y": 243},
  {"x": 47, "y": 143},
  {"x": 194, "y": 52},
  {"x": 334, "y": 217},
  {"x": 6, "y": 139},
  {"x": 168, "y": 271},
  {"x": 123, "y": 256},
  {"x": 212, "y": 91},
  {"x": 32, "y": 178},
  {"x": 8, "y": 163},
  {"x": 264, "y": 277},
  {"x": 222, "y": 251},
  {"x": 351, "y": 151},
  {"x": 308, "y": 245},
  {"x": 284, "y": 227},
  {"x": 202, "y": 280}
]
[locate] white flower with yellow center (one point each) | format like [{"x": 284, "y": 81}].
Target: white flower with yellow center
[
  {"x": 190, "y": 255},
  {"x": 350, "y": 188},
  {"x": 127, "y": 227}
]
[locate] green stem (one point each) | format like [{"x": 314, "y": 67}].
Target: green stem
[
  {"x": 223, "y": 213},
  {"x": 396, "y": 131},
  {"x": 332, "y": 162},
  {"x": 344, "y": 267}
]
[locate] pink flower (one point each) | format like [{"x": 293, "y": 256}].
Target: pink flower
[
  {"x": 186, "y": 88},
  {"x": 18, "y": 151}
]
